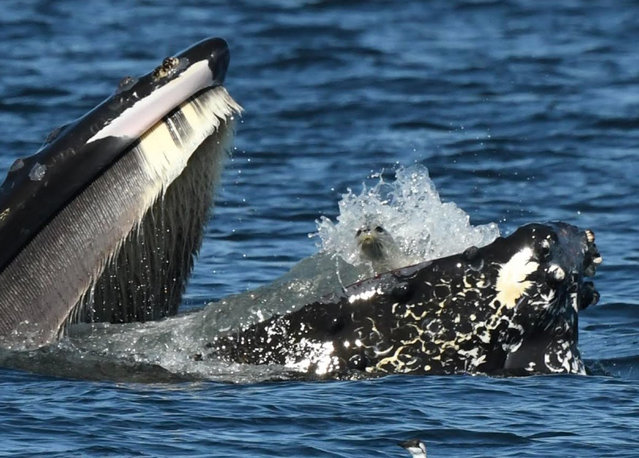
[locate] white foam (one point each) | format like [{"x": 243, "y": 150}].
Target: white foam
[{"x": 410, "y": 209}]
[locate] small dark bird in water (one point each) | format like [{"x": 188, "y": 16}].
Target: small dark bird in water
[
  {"x": 377, "y": 246},
  {"x": 416, "y": 448}
]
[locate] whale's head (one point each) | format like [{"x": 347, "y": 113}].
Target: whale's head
[
  {"x": 101, "y": 224},
  {"x": 544, "y": 260},
  {"x": 543, "y": 279}
]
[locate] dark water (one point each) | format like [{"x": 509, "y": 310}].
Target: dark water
[{"x": 521, "y": 111}]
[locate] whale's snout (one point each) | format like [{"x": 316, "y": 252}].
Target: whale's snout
[
  {"x": 213, "y": 50},
  {"x": 588, "y": 295}
]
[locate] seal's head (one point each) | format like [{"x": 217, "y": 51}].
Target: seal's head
[
  {"x": 377, "y": 246},
  {"x": 371, "y": 240}
]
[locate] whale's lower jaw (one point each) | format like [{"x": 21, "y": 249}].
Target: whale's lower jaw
[{"x": 123, "y": 248}]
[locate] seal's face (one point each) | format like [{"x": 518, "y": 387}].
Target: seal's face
[
  {"x": 378, "y": 247},
  {"x": 370, "y": 241},
  {"x": 509, "y": 307}
]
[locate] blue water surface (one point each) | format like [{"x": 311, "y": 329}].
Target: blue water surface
[{"x": 522, "y": 111}]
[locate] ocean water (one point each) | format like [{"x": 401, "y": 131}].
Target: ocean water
[{"x": 520, "y": 111}]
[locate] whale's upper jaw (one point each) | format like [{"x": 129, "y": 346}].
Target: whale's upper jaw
[
  {"x": 138, "y": 104},
  {"x": 37, "y": 187}
]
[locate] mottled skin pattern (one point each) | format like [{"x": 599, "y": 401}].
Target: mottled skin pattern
[{"x": 508, "y": 308}]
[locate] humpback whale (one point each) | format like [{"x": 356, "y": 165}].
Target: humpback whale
[
  {"x": 510, "y": 307},
  {"x": 102, "y": 223}
]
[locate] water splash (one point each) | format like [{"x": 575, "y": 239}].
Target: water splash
[{"x": 410, "y": 209}]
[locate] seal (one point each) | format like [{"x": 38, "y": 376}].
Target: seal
[
  {"x": 510, "y": 307},
  {"x": 102, "y": 223},
  {"x": 378, "y": 247}
]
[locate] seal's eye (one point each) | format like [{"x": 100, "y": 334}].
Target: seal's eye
[
  {"x": 379, "y": 229},
  {"x": 358, "y": 233}
]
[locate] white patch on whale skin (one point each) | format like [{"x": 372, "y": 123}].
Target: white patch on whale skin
[
  {"x": 474, "y": 359},
  {"x": 37, "y": 172},
  {"x": 574, "y": 301},
  {"x": 548, "y": 298},
  {"x": 511, "y": 281},
  {"x": 364, "y": 296},
  {"x": 568, "y": 362}
]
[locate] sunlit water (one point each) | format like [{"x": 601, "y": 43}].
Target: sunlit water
[{"x": 520, "y": 112}]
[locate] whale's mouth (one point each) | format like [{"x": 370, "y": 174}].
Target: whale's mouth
[{"x": 103, "y": 222}]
